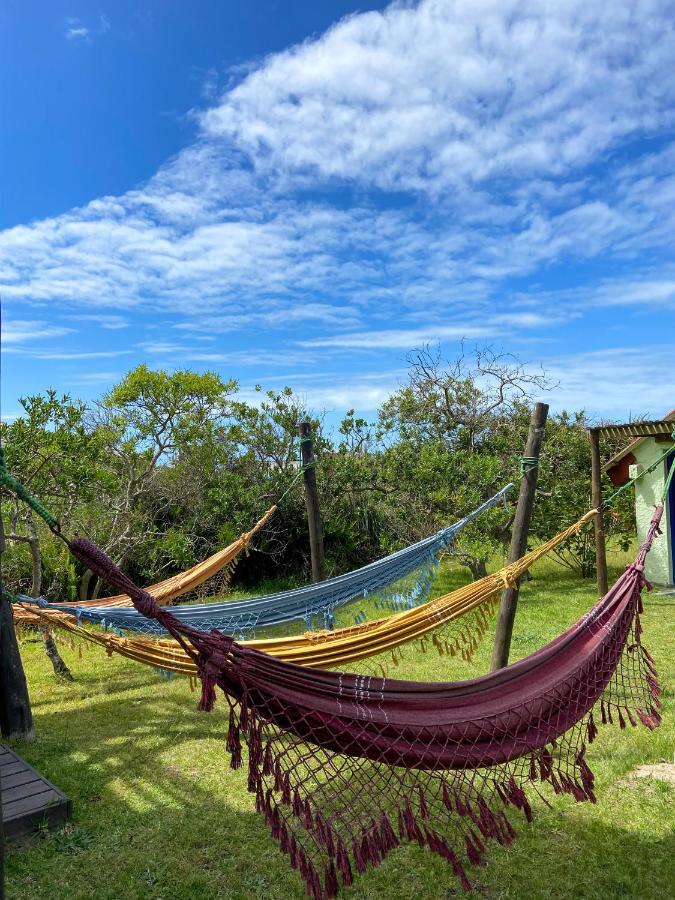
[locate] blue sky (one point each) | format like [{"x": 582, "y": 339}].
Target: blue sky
[{"x": 302, "y": 193}]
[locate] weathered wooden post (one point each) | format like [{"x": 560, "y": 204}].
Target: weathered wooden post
[
  {"x": 599, "y": 520},
  {"x": 521, "y": 527},
  {"x": 2, "y": 851},
  {"x": 16, "y": 718},
  {"x": 312, "y": 502}
]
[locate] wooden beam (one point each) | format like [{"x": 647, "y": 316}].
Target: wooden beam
[
  {"x": 312, "y": 502},
  {"x": 599, "y": 522},
  {"x": 521, "y": 527},
  {"x": 637, "y": 429}
]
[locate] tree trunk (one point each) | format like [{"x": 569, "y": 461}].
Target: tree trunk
[
  {"x": 478, "y": 568},
  {"x": 84, "y": 586},
  {"x": 16, "y": 718},
  {"x": 60, "y": 668}
]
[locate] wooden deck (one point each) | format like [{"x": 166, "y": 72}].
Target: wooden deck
[{"x": 28, "y": 799}]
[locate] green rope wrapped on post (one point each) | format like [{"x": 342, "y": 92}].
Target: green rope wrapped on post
[
  {"x": 295, "y": 480},
  {"x": 13, "y": 484},
  {"x": 624, "y": 487},
  {"x": 527, "y": 463},
  {"x": 669, "y": 479}
]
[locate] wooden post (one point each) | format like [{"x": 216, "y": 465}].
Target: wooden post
[
  {"x": 16, "y": 718},
  {"x": 521, "y": 527},
  {"x": 312, "y": 502},
  {"x": 2, "y": 851},
  {"x": 599, "y": 521}
]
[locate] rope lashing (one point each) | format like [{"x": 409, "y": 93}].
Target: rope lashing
[
  {"x": 527, "y": 464},
  {"x": 624, "y": 487},
  {"x": 301, "y": 471},
  {"x": 669, "y": 477},
  {"x": 13, "y": 484}
]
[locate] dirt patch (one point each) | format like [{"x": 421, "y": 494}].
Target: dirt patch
[{"x": 662, "y": 771}]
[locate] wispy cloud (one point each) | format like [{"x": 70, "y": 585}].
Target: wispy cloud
[
  {"x": 73, "y": 355},
  {"x": 181, "y": 353},
  {"x": 441, "y": 94},
  {"x": 76, "y": 30},
  {"x": 419, "y": 174},
  {"x": 399, "y": 339},
  {"x": 110, "y": 322},
  {"x": 23, "y": 331},
  {"x": 621, "y": 381}
]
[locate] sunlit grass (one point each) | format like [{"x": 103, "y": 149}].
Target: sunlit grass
[{"x": 159, "y": 814}]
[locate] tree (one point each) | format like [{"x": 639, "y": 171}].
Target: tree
[
  {"x": 451, "y": 443},
  {"x": 150, "y": 422},
  {"x": 53, "y": 454},
  {"x": 460, "y": 401}
]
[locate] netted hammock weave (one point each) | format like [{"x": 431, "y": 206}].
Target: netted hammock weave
[
  {"x": 344, "y": 767},
  {"x": 207, "y": 578},
  {"x": 451, "y": 624},
  {"x": 399, "y": 581}
]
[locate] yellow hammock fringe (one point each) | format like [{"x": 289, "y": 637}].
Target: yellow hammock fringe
[
  {"x": 171, "y": 588},
  {"x": 334, "y": 649}
]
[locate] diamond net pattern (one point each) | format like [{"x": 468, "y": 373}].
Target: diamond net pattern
[
  {"x": 346, "y": 766},
  {"x": 396, "y": 582}
]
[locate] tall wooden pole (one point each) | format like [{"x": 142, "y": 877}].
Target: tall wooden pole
[
  {"x": 599, "y": 520},
  {"x": 521, "y": 527},
  {"x": 2, "y": 827},
  {"x": 16, "y": 718},
  {"x": 312, "y": 502}
]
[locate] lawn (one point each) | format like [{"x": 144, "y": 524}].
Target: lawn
[{"x": 158, "y": 813}]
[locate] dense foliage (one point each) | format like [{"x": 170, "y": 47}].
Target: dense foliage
[{"x": 167, "y": 467}]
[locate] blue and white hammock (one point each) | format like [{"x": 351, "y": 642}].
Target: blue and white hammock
[{"x": 395, "y": 582}]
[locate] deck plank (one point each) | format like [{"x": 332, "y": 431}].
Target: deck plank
[{"x": 28, "y": 799}]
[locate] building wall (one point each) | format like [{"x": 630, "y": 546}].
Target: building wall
[{"x": 648, "y": 490}]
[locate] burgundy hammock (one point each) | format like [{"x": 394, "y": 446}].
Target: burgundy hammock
[{"x": 345, "y": 767}]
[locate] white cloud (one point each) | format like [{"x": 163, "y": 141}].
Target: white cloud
[
  {"x": 333, "y": 391},
  {"x": 620, "y": 382},
  {"x": 506, "y": 135},
  {"x": 76, "y": 30},
  {"x": 185, "y": 353},
  {"x": 430, "y": 97},
  {"x": 74, "y": 355},
  {"x": 86, "y": 379},
  {"x": 109, "y": 322},
  {"x": 399, "y": 339},
  {"x": 22, "y": 331}
]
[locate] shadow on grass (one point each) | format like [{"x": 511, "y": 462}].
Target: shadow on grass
[{"x": 159, "y": 814}]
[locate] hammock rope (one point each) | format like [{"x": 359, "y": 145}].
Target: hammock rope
[
  {"x": 629, "y": 484},
  {"x": 453, "y": 624},
  {"x": 396, "y": 582},
  {"x": 207, "y": 578},
  {"x": 344, "y": 767}
]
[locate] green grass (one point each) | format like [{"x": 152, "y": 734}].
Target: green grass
[{"x": 159, "y": 815}]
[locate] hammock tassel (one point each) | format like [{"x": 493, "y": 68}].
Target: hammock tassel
[
  {"x": 343, "y": 864},
  {"x": 233, "y": 743},
  {"x": 330, "y": 881},
  {"x": 591, "y": 729},
  {"x": 359, "y": 861},
  {"x": 208, "y": 698}
]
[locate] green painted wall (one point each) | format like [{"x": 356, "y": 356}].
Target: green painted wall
[{"x": 648, "y": 490}]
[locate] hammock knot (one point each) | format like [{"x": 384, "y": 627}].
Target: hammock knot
[{"x": 510, "y": 581}]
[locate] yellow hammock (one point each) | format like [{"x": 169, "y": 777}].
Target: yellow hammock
[
  {"x": 334, "y": 649},
  {"x": 170, "y": 589}
]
